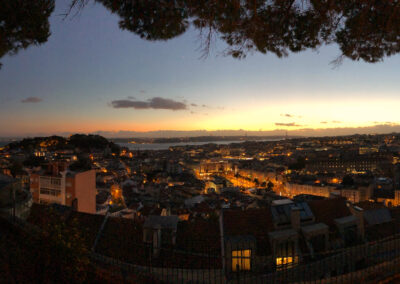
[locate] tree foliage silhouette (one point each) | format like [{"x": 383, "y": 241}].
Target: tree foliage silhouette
[
  {"x": 23, "y": 23},
  {"x": 364, "y": 30},
  {"x": 367, "y": 30}
]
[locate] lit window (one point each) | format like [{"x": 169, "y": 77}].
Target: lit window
[
  {"x": 241, "y": 260},
  {"x": 286, "y": 255},
  {"x": 282, "y": 262},
  {"x": 286, "y": 260}
]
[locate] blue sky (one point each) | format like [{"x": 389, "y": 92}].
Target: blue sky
[{"x": 88, "y": 62}]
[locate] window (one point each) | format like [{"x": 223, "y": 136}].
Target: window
[
  {"x": 52, "y": 192},
  {"x": 283, "y": 261},
  {"x": 286, "y": 255},
  {"x": 350, "y": 235},
  {"x": 44, "y": 178},
  {"x": 241, "y": 260},
  {"x": 55, "y": 181}
]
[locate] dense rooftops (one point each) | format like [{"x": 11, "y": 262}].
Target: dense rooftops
[{"x": 325, "y": 211}]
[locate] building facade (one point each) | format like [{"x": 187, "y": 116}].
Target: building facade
[{"x": 60, "y": 186}]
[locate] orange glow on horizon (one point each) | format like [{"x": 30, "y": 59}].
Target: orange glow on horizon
[{"x": 262, "y": 115}]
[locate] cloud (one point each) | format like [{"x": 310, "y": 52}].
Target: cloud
[
  {"x": 290, "y": 115},
  {"x": 143, "y": 91},
  {"x": 160, "y": 103},
  {"x": 336, "y": 121},
  {"x": 389, "y": 123},
  {"x": 31, "y": 100},
  {"x": 130, "y": 104},
  {"x": 211, "y": 107},
  {"x": 206, "y": 106},
  {"x": 324, "y": 122},
  {"x": 154, "y": 103},
  {"x": 290, "y": 124},
  {"x": 131, "y": 97}
]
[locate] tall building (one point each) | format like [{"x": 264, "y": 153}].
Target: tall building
[{"x": 58, "y": 185}]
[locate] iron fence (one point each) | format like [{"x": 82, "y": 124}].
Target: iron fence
[
  {"x": 243, "y": 262},
  {"x": 368, "y": 263}
]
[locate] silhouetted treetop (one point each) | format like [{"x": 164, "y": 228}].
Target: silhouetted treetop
[
  {"x": 151, "y": 20},
  {"x": 367, "y": 30},
  {"x": 30, "y": 144},
  {"x": 87, "y": 142},
  {"x": 82, "y": 142},
  {"x": 23, "y": 23},
  {"x": 83, "y": 164}
]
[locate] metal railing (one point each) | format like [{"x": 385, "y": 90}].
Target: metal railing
[{"x": 201, "y": 262}]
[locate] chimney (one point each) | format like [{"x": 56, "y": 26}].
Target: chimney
[
  {"x": 295, "y": 218},
  {"x": 53, "y": 168}
]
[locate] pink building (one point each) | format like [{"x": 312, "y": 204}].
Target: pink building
[{"x": 58, "y": 185}]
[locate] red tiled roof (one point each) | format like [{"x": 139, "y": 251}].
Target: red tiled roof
[
  {"x": 199, "y": 235},
  {"x": 254, "y": 222},
  {"x": 122, "y": 239},
  {"x": 367, "y": 205},
  {"x": 327, "y": 210},
  {"x": 380, "y": 231},
  {"x": 248, "y": 222}
]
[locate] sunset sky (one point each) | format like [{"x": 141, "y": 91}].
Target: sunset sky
[{"x": 92, "y": 76}]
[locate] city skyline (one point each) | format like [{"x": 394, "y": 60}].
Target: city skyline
[
  {"x": 385, "y": 128},
  {"x": 207, "y": 141},
  {"x": 92, "y": 77}
]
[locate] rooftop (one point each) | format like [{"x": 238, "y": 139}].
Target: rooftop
[
  {"x": 325, "y": 211},
  {"x": 161, "y": 222}
]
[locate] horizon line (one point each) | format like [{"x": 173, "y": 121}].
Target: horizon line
[{"x": 380, "y": 129}]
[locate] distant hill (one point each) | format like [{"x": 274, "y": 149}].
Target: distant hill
[
  {"x": 83, "y": 142},
  {"x": 196, "y": 139}
]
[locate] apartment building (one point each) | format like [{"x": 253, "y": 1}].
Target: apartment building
[
  {"x": 58, "y": 185},
  {"x": 345, "y": 165}
]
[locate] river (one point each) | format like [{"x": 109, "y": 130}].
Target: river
[{"x": 165, "y": 146}]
